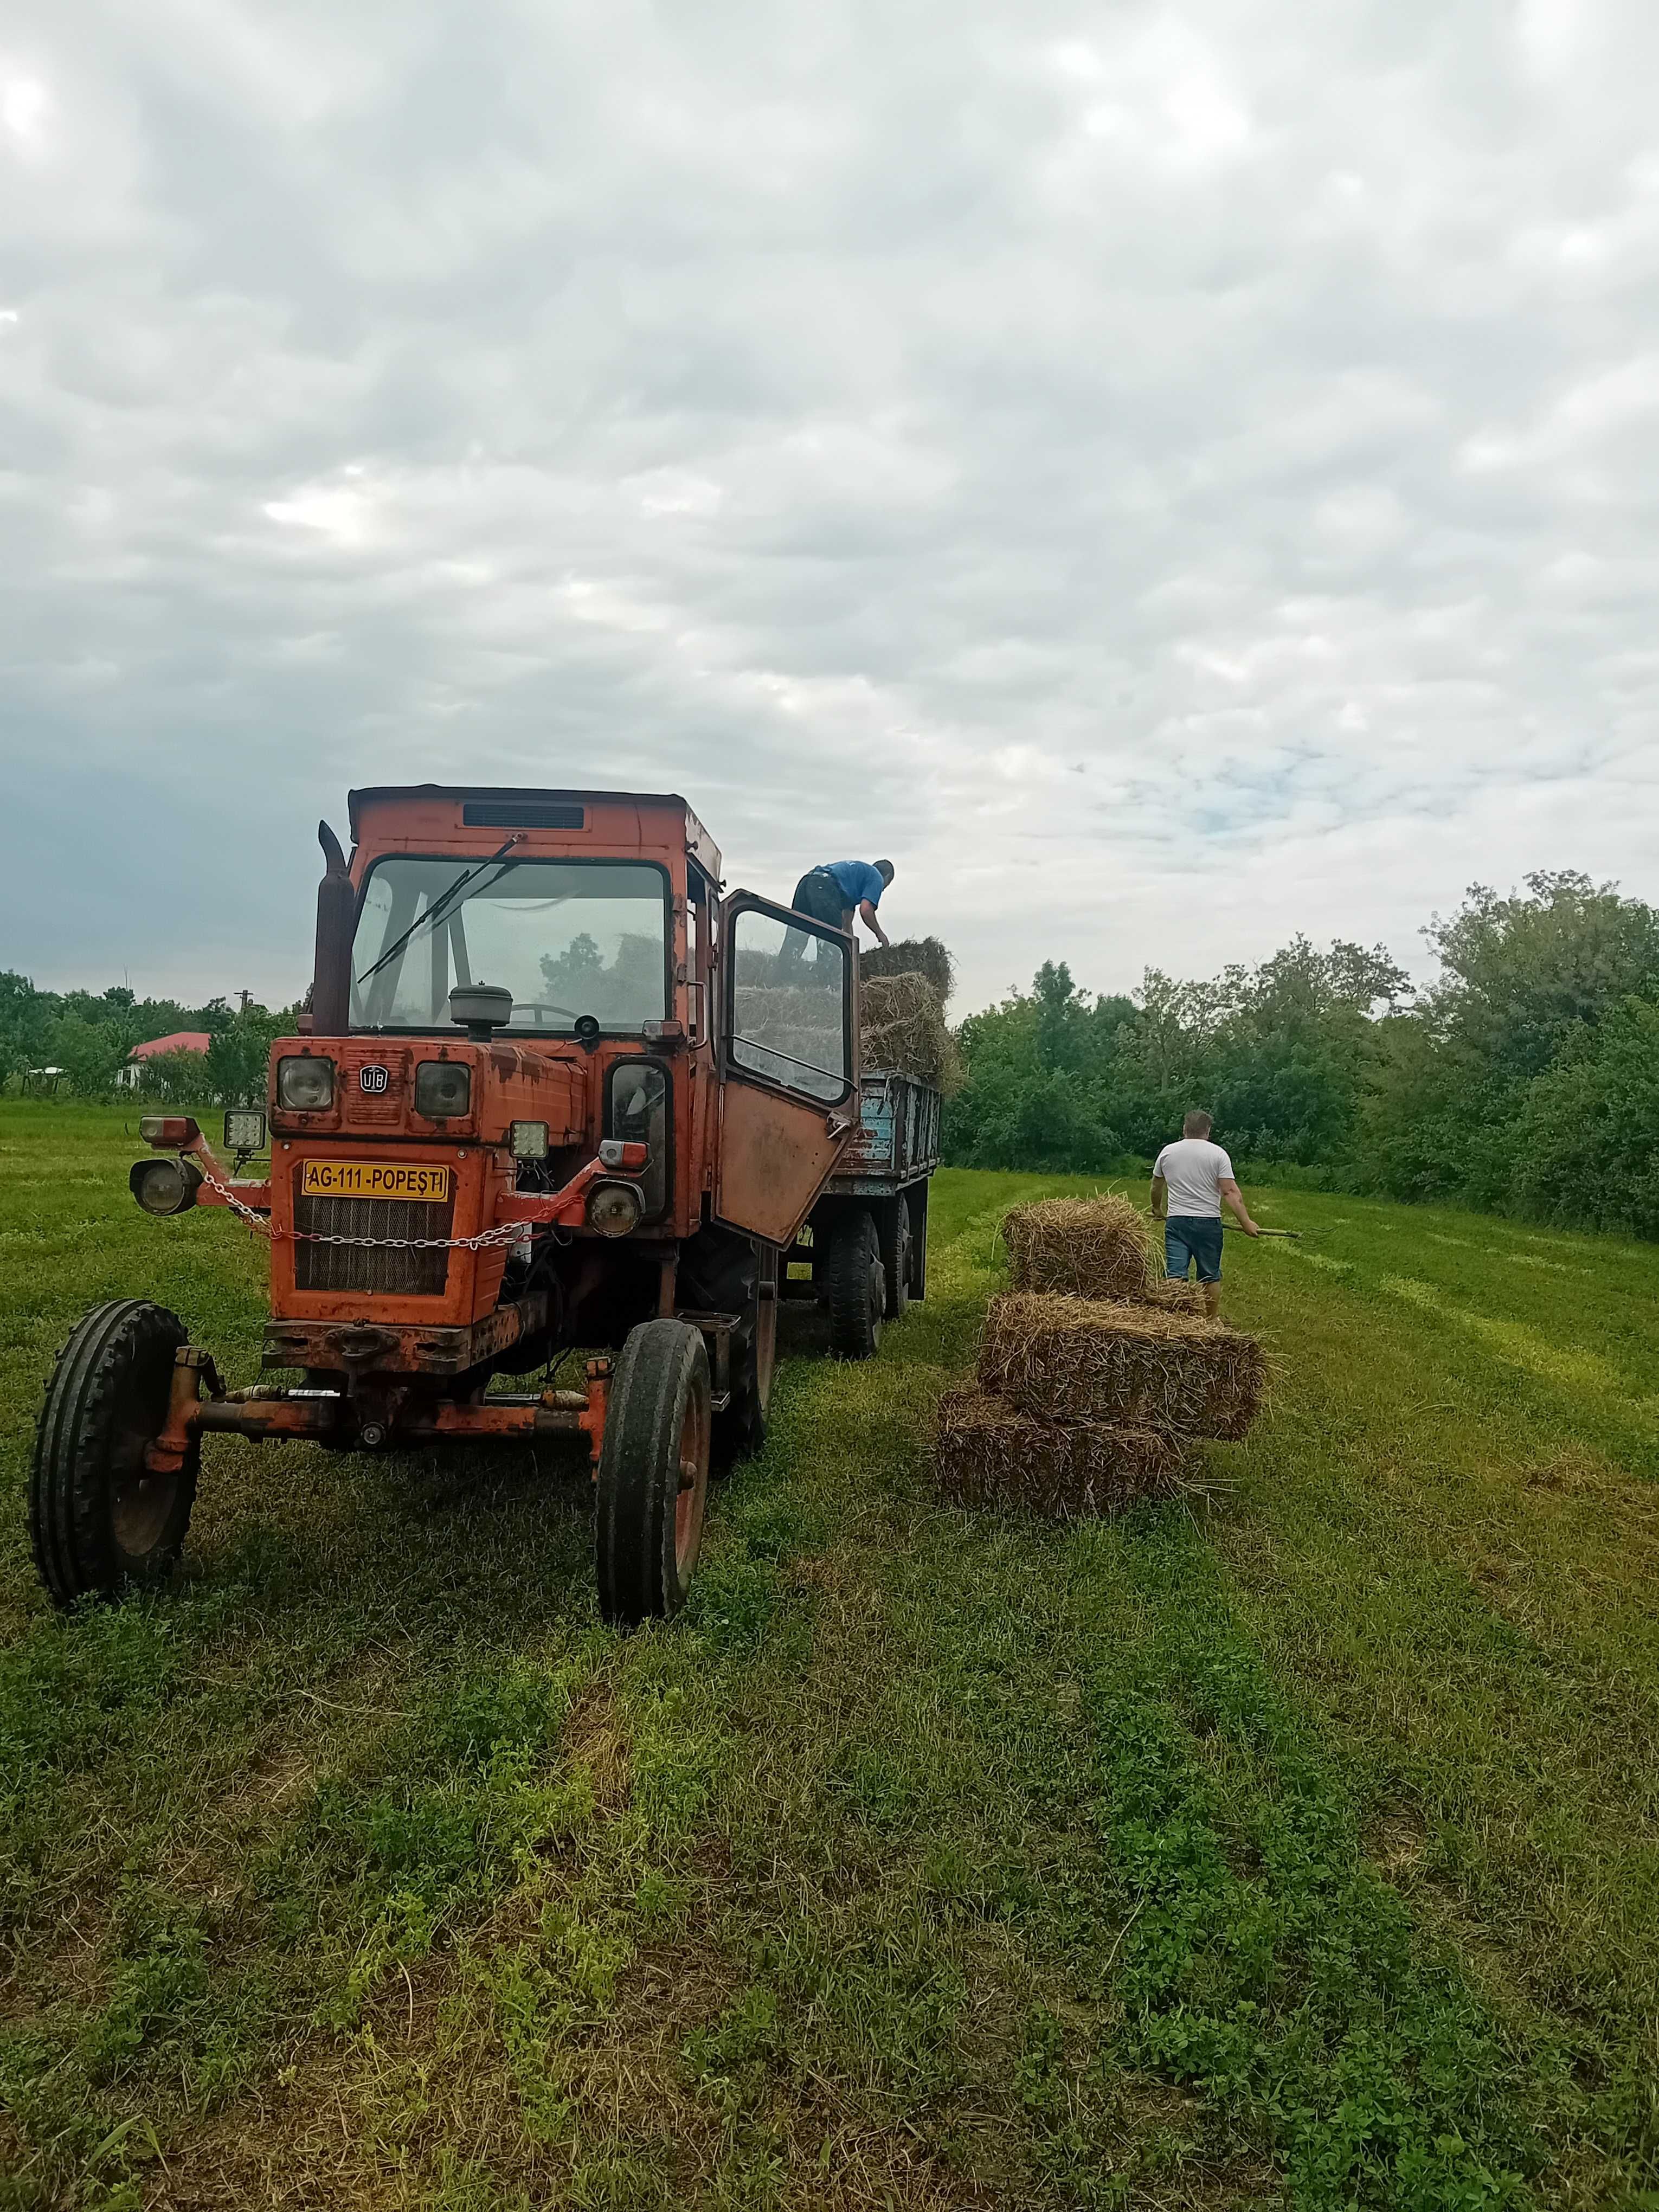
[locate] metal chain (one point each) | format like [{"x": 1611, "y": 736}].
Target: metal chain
[{"x": 506, "y": 1232}]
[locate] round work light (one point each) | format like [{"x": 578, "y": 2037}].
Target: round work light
[{"x": 614, "y": 1209}]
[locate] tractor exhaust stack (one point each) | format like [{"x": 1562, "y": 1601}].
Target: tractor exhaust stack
[{"x": 336, "y": 906}]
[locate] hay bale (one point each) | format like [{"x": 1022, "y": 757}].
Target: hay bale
[
  {"x": 1119, "y": 1365},
  {"x": 913, "y": 956},
  {"x": 902, "y": 1027},
  {"x": 1171, "y": 1297},
  {"x": 987, "y": 1453},
  {"x": 1085, "y": 1247}
]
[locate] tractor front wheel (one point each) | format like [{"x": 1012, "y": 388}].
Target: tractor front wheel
[
  {"x": 654, "y": 1472},
  {"x": 99, "y": 1519},
  {"x": 855, "y": 1285}
]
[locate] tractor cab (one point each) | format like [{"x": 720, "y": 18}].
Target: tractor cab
[{"x": 558, "y": 1091}]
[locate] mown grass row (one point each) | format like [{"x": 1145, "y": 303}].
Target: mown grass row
[{"x": 1300, "y": 1850}]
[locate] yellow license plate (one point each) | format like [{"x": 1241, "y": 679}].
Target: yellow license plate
[{"x": 372, "y": 1179}]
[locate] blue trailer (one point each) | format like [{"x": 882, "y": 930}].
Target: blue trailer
[{"x": 863, "y": 1254}]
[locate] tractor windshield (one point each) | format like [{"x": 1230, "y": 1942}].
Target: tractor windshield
[{"x": 567, "y": 937}]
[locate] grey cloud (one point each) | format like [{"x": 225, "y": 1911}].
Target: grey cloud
[{"x": 859, "y": 418}]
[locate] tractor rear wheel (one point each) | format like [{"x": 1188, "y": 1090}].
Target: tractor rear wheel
[
  {"x": 100, "y": 1521},
  {"x": 653, "y": 1473},
  {"x": 855, "y": 1285},
  {"x": 740, "y": 1431}
]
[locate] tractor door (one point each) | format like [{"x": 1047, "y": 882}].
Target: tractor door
[{"x": 788, "y": 1065}]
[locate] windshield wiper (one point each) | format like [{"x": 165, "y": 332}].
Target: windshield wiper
[{"x": 439, "y": 907}]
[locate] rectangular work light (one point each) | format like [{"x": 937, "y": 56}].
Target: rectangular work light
[{"x": 244, "y": 1131}]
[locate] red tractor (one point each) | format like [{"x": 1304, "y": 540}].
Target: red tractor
[{"x": 555, "y": 1091}]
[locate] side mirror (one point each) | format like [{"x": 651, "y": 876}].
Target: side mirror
[{"x": 481, "y": 1008}]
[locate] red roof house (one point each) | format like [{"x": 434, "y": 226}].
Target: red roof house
[{"x": 180, "y": 1040}]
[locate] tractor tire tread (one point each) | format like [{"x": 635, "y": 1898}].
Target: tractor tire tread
[
  {"x": 656, "y": 1365},
  {"x": 72, "y": 1551},
  {"x": 854, "y": 1251}
]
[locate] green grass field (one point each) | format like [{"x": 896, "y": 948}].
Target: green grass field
[{"x": 1300, "y": 1847}]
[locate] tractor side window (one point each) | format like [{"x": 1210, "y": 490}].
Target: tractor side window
[
  {"x": 637, "y": 1110},
  {"x": 788, "y": 1019}
]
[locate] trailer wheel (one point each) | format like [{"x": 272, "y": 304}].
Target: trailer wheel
[
  {"x": 896, "y": 1256},
  {"x": 915, "y": 1206},
  {"x": 855, "y": 1285},
  {"x": 653, "y": 1473},
  {"x": 98, "y": 1521}
]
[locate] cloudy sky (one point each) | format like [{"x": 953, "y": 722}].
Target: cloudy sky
[{"x": 1168, "y": 474}]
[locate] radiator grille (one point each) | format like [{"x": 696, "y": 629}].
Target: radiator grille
[{"x": 358, "y": 1267}]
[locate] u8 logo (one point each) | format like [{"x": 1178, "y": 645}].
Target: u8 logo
[{"x": 374, "y": 1077}]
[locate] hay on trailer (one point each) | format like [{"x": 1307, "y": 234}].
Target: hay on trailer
[
  {"x": 913, "y": 956},
  {"x": 778, "y": 1022},
  {"x": 788, "y": 1030},
  {"x": 902, "y": 1026},
  {"x": 1133, "y": 1366},
  {"x": 987, "y": 1453},
  {"x": 1085, "y": 1247}
]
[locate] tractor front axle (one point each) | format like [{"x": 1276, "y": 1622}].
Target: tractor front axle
[{"x": 331, "y": 1417}]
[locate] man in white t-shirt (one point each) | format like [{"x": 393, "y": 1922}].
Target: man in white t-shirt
[{"x": 1189, "y": 1181}]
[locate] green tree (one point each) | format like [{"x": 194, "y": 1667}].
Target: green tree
[
  {"x": 1035, "y": 1078},
  {"x": 571, "y": 977},
  {"x": 90, "y": 1052},
  {"x": 1279, "y": 1054},
  {"x": 1519, "y": 973},
  {"x": 24, "y": 1021},
  {"x": 1525, "y": 983},
  {"x": 233, "y": 1072},
  {"x": 1586, "y": 1139},
  {"x": 176, "y": 1079}
]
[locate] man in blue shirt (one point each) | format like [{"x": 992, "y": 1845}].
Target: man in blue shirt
[{"x": 833, "y": 893}]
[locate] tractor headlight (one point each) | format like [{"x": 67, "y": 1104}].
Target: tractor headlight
[
  {"x": 614, "y": 1209},
  {"x": 305, "y": 1084},
  {"x": 443, "y": 1089},
  {"x": 528, "y": 1140},
  {"x": 244, "y": 1131},
  {"x": 165, "y": 1186}
]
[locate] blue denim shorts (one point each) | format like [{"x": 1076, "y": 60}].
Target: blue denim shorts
[{"x": 1189, "y": 1236}]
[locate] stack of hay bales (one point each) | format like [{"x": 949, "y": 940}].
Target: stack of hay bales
[
  {"x": 1087, "y": 1247},
  {"x": 902, "y": 1026},
  {"x": 1095, "y": 1377},
  {"x": 913, "y": 956},
  {"x": 786, "y": 1014},
  {"x": 903, "y": 990}
]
